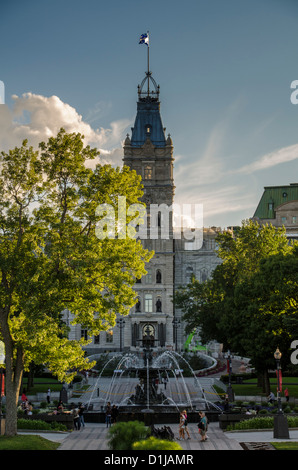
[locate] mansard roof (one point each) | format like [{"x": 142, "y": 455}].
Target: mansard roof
[{"x": 273, "y": 197}]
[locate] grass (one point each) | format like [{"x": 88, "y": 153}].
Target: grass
[
  {"x": 42, "y": 385},
  {"x": 251, "y": 389},
  {"x": 285, "y": 445},
  {"x": 30, "y": 442}
]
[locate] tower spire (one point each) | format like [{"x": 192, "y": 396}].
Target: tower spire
[{"x": 147, "y": 95}]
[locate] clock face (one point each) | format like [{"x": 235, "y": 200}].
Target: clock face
[{"x": 148, "y": 330}]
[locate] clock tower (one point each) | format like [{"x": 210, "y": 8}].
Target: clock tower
[{"x": 150, "y": 153}]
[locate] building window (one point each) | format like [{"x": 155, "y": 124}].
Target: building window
[
  {"x": 109, "y": 336},
  {"x": 283, "y": 220},
  {"x": 189, "y": 274},
  {"x": 148, "y": 129},
  {"x": 148, "y": 303},
  {"x": 148, "y": 278},
  {"x": 96, "y": 339},
  {"x": 148, "y": 173},
  {"x": 84, "y": 334},
  {"x": 294, "y": 219}
]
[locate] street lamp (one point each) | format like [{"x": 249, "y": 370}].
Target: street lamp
[
  {"x": 2, "y": 379},
  {"x": 176, "y": 324},
  {"x": 120, "y": 324},
  {"x": 281, "y": 428},
  {"x": 230, "y": 391}
]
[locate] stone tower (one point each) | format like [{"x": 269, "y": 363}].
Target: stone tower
[{"x": 150, "y": 154}]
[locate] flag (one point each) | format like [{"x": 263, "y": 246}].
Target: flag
[{"x": 144, "y": 39}]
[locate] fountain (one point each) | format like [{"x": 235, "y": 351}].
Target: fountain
[{"x": 139, "y": 384}]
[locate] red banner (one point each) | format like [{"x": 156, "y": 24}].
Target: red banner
[{"x": 2, "y": 384}]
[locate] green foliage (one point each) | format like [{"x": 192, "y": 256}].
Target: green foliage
[
  {"x": 38, "y": 424},
  {"x": 122, "y": 435},
  {"x": 250, "y": 303},
  {"x": 51, "y": 258},
  {"x": 27, "y": 443},
  {"x": 152, "y": 443},
  {"x": 261, "y": 423}
]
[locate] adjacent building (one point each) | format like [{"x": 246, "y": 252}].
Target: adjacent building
[{"x": 278, "y": 206}]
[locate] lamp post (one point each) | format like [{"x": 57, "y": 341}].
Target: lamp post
[
  {"x": 281, "y": 427},
  {"x": 230, "y": 391},
  {"x": 2, "y": 379},
  {"x": 120, "y": 324},
  {"x": 176, "y": 324}
]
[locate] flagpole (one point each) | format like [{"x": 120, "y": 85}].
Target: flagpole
[{"x": 148, "y": 64}]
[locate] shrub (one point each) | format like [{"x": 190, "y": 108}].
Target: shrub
[
  {"x": 262, "y": 423},
  {"x": 152, "y": 443},
  {"x": 38, "y": 424},
  {"x": 122, "y": 435}
]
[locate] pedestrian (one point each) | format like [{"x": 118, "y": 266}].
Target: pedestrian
[
  {"x": 186, "y": 423},
  {"x": 202, "y": 425},
  {"x": 181, "y": 427},
  {"x": 60, "y": 407},
  {"x": 271, "y": 397},
  {"x": 286, "y": 392},
  {"x": 165, "y": 381},
  {"x": 81, "y": 414},
  {"x": 114, "y": 414},
  {"x": 49, "y": 396},
  {"x": 23, "y": 397},
  {"x": 108, "y": 414},
  {"x": 76, "y": 420}
]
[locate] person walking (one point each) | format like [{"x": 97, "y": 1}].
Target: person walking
[
  {"x": 286, "y": 392},
  {"x": 49, "y": 396},
  {"x": 114, "y": 414},
  {"x": 186, "y": 423},
  {"x": 76, "y": 419},
  {"x": 202, "y": 425},
  {"x": 181, "y": 427},
  {"x": 81, "y": 414},
  {"x": 108, "y": 414}
]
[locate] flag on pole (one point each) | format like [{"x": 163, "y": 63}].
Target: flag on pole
[{"x": 144, "y": 39}]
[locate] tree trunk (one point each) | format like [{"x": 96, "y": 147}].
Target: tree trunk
[{"x": 14, "y": 373}]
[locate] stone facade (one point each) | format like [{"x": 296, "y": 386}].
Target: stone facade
[{"x": 150, "y": 153}]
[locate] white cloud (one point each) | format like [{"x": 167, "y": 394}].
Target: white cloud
[
  {"x": 36, "y": 118},
  {"x": 283, "y": 155}
]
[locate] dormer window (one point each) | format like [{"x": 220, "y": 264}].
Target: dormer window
[{"x": 148, "y": 129}]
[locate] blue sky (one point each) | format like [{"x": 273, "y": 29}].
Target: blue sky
[{"x": 224, "y": 70}]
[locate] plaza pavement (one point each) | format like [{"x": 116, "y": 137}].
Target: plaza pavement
[{"x": 94, "y": 435}]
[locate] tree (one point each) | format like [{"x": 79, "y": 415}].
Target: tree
[
  {"x": 51, "y": 258},
  {"x": 227, "y": 307}
]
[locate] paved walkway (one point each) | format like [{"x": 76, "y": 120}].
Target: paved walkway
[{"x": 94, "y": 437}]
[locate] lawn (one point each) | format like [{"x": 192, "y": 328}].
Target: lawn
[
  {"x": 41, "y": 385},
  {"x": 30, "y": 442},
  {"x": 249, "y": 387},
  {"x": 285, "y": 445}
]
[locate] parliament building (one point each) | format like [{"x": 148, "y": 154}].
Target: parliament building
[{"x": 150, "y": 153}]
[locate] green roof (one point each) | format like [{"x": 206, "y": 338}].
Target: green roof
[{"x": 273, "y": 197}]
